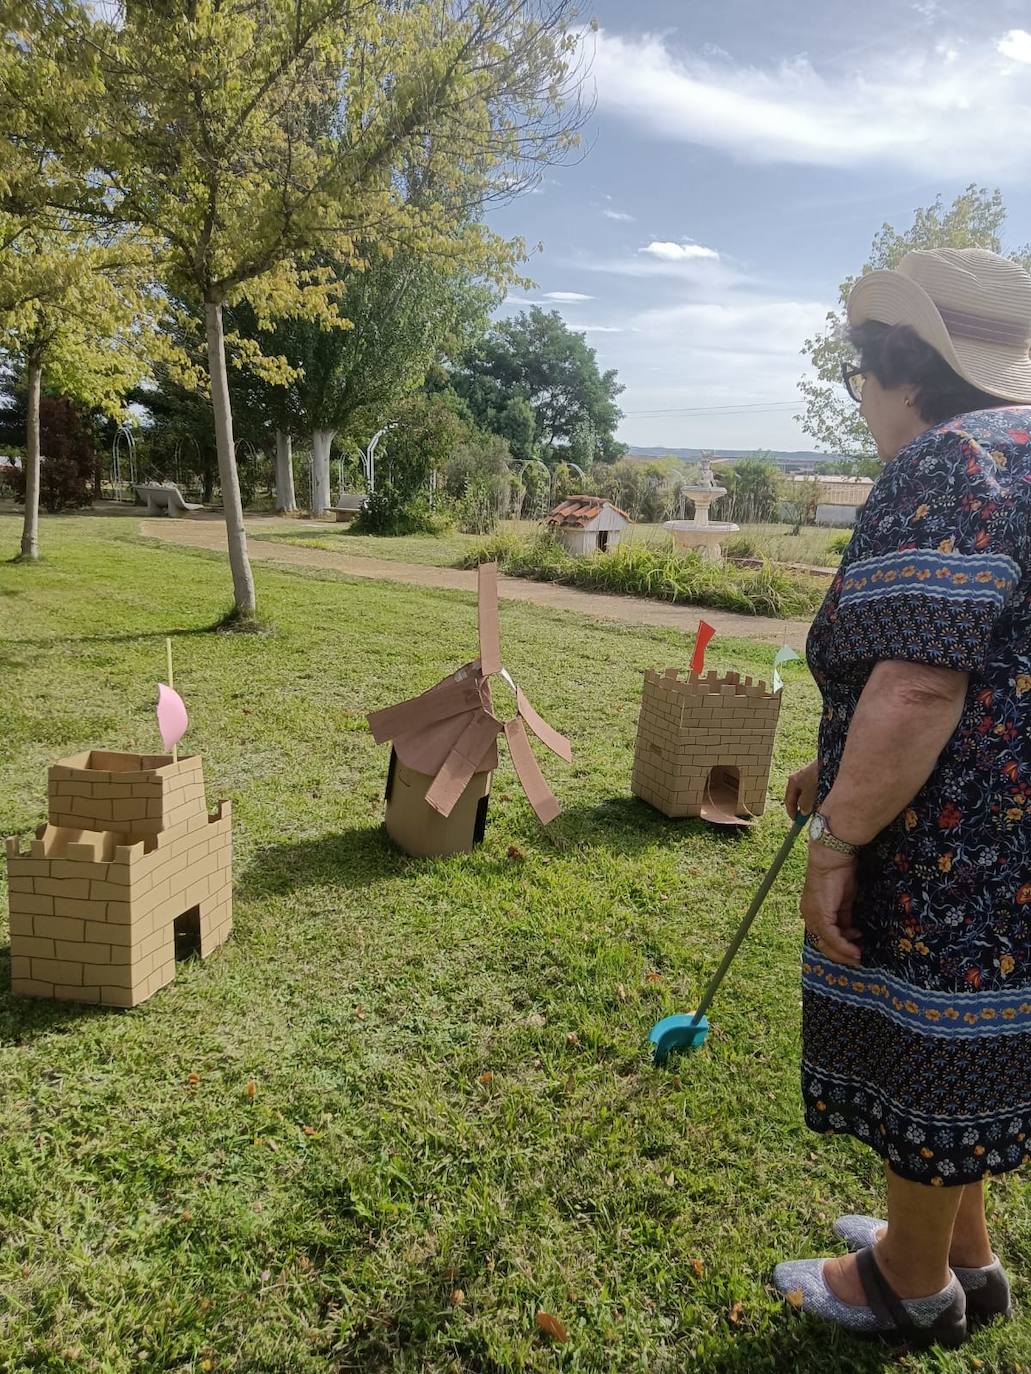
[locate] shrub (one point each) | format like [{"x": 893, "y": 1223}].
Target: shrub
[
  {"x": 675, "y": 575},
  {"x": 743, "y": 546},
  {"x": 388, "y": 512},
  {"x": 68, "y": 460},
  {"x": 838, "y": 543}
]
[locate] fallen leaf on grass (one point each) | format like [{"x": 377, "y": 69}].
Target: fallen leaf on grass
[
  {"x": 186, "y": 1214},
  {"x": 486, "y": 1077},
  {"x": 621, "y": 992},
  {"x": 457, "y": 1298},
  {"x": 670, "y": 1180},
  {"x": 572, "y": 1038},
  {"x": 795, "y": 1298},
  {"x": 359, "y": 1011},
  {"x": 310, "y": 1130},
  {"x": 736, "y": 1313},
  {"x": 552, "y": 1327},
  {"x": 515, "y": 853},
  {"x": 193, "y": 1079},
  {"x": 653, "y": 977},
  {"x": 698, "y": 1267}
]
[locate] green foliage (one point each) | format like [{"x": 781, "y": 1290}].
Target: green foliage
[
  {"x": 536, "y": 364},
  {"x": 839, "y": 542},
  {"x": 394, "y": 512},
  {"x": 975, "y": 219},
  {"x": 666, "y": 575},
  {"x": 753, "y": 491},
  {"x": 639, "y": 489},
  {"x": 69, "y": 460}
]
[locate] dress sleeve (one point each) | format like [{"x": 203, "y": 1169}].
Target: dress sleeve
[{"x": 941, "y": 554}]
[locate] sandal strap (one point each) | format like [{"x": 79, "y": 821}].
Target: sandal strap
[{"x": 885, "y": 1303}]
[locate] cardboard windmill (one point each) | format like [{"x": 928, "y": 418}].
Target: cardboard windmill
[
  {"x": 128, "y": 876},
  {"x": 705, "y": 742},
  {"x": 445, "y": 748}
]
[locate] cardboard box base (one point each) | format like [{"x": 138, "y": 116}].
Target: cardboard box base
[{"x": 420, "y": 831}]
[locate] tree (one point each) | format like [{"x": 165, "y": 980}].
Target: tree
[
  {"x": 247, "y": 135},
  {"x": 975, "y": 219},
  {"x": 402, "y": 312},
  {"x": 799, "y": 499},
  {"x": 420, "y": 444},
  {"x": 65, "y": 479},
  {"x": 72, "y": 311},
  {"x": 535, "y": 359},
  {"x": 753, "y": 491}
]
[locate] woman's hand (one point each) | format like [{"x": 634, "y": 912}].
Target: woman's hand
[
  {"x": 800, "y": 794},
  {"x": 826, "y": 905}
]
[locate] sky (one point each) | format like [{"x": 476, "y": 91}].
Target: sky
[{"x": 739, "y": 161}]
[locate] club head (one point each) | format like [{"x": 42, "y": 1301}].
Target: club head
[{"x": 677, "y": 1033}]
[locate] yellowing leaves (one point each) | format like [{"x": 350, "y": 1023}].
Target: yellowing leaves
[{"x": 552, "y": 1327}]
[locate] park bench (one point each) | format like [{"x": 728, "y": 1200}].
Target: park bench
[
  {"x": 349, "y": 506},
  {"x": 165, "y": 498}
]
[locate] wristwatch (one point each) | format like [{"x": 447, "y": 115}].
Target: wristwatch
[{"x": 820, "y": 833}]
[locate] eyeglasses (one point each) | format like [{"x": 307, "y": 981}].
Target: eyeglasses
[{"x": 853, "y": 377}]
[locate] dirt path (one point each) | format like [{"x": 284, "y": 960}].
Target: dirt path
[{"x": 630, "y": 610}]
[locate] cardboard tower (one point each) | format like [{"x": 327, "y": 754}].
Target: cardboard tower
[
  {"x": 129, "y": 874},
  {"x": 705, "y": 745},
  {"x": 445, "y": 748}
]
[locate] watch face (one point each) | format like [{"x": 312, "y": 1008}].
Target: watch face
[{"x": 816, "y": 827}]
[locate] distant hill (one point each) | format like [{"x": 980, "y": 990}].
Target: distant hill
[{"x": 799, "y": 460}]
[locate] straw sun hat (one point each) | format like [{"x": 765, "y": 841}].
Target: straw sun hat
[{"x": 973, "y": 306}]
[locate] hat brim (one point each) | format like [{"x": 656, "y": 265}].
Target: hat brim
[{"x": 894, "y": 298}]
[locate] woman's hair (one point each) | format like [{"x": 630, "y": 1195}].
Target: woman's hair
[{"x": 897, "y": 356}]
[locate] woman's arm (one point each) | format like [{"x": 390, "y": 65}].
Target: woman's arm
[{"x": 905, "y": 716}]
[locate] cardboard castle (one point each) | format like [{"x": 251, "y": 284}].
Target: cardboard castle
[
  {"x": 445, "y": 748},
  {"x": 705, "y": 745},
  {"x": 128, "y": 875}
]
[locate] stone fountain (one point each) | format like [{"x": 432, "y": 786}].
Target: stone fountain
[{"x": 702, "y": 533}]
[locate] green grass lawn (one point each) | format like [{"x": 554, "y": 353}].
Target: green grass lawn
[
  {"x": 454, "y": 1124},
  {"x": 446, "y": 551}
]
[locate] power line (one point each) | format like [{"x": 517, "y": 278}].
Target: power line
[{"x": 745, "y": 408}]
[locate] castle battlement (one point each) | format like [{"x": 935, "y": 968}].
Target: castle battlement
[
  {"x": 703, "y": 736},
  {"x": 129, "y": 873}
]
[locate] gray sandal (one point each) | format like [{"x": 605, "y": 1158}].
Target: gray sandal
[
  {"x": 919, "y": 1323},
  {"x": 987, "y": 1289}
]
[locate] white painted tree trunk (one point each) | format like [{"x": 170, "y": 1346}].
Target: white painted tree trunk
[
  {"x": 285, "y": 498},
  {"x": 321, "y": 442},
  {"x": 30, "y": 528},
  {"x": 243, "y": 581}
]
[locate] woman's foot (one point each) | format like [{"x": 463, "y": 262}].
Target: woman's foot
[
  {"x": 854, "y": 1294},
  {"x": 986, "y": 1286}
]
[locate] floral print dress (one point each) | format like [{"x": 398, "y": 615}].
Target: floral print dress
[{"x": 924, "y": 1053}]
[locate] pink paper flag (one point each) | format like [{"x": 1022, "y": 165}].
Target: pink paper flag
[{"x": 172, "y": 717}]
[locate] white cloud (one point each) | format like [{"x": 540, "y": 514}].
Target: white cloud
[
  {"x": 678, "y": 252},
  {"x": 1016, "y": 45},
  {"x": 567, "y": 297},
  {"x": 598, "y": 329},
  {"x": 911, "y": 111},
  {"x": 619, "y": 216}
]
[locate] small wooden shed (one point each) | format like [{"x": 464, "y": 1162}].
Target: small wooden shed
[{"x": 588, "y": 524}]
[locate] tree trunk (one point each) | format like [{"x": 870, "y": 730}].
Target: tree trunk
[
  {"x": 30, "y": 528},
  {"x": 321, "y": 442},
  {"x": 243, "y": 581},
  {"x": 285, "y": 498}
]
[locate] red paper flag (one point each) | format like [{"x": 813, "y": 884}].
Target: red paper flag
[{"x": 705, "y": 633}]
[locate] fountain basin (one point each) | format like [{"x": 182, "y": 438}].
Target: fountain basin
[{"x": 708, "y": 538}]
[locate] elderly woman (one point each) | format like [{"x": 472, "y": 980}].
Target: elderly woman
[{"x": 917, "y": 899}]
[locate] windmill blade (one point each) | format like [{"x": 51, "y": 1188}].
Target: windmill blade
[
  {"x": 490, "y": 634},
  {"x": 547, "y": 734},
  {"x": 538, "y": 793},
  {"x": 465, "y": 759}
]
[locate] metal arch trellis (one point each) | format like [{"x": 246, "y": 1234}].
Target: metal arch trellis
[
  {"x": 177, "y": 456},
  {"x": 520, "y": 465},
  {"x": 124, "y": 438},
  {"x": 368, "y": 456}
]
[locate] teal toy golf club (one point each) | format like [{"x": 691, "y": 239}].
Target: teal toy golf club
[{"x": 690, "y": 1031}]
